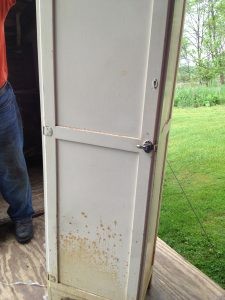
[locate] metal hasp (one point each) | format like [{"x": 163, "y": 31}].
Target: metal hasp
[
  {"x": 148, "y": 146},
  {"x": 47, "y": 131}
]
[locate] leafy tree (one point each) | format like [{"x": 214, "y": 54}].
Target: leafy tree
[
  {"x": 215, "y": 39},
  {"x": 203, "y": 44}
]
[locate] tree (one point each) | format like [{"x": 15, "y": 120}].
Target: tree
[
  {"x": 194, "y": 34},
  {"x": 215, "y": 41},
  {"x": 185, "y": 68},
  {"x": 204, "y": 39}
]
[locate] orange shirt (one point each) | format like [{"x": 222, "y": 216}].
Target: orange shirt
[{"x": 5, "y": 5}]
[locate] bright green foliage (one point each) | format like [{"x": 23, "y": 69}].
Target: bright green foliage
[
  {"x": 197, "y": 155},
  {"x": 186, "y": 74},
  {"x": 199, "y": 96},
  {"x": 203, "y": 44},
  {"x": 214, "y": 41}
]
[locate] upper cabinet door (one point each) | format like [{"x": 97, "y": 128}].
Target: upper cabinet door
[{"x": 101, "y": 81}]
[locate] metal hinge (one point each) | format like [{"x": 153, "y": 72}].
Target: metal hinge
[
  {"x": 47, "y": 131},
  {"x": 155, "y": 147},
  {"x": 51, "y": 278}
]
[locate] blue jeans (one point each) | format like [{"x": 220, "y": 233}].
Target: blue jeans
[{"x": 14, "y": 181}]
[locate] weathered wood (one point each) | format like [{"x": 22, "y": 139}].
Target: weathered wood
[
  {"x": 36, "y": 178},
  {"x": 22, "y": 263},
  {"x": 174, "y": 278}
]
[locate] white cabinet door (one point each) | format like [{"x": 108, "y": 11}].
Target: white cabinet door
[
  {"x": 101, "y": 65},
  {"x": 175, "y": 26}
]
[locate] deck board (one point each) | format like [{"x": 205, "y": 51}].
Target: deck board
[
  {"x": 173, "y": 277},
  {"x": 22, "y": 263},
  {"x": 176, "y": 279}
]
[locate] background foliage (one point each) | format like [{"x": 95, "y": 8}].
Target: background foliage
[
  {"x": 197, "y": 144},
  {"x": 196, "y": 154},
  {"x": 203, "y": 45},
  {"x": 199, "y": 96}
]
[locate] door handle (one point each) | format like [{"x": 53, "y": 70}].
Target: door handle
[{"x": 148, "y": 146}]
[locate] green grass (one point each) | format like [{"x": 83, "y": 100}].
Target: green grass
[
  {"x": 197, "y": 155},
  {"x": 195, "y": 96}
]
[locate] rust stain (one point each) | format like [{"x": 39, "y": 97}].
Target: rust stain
[
  {"x": 95, "y": 258},
  {"x": 88, "y": 259},
  {"x": 84, "y": 214}
]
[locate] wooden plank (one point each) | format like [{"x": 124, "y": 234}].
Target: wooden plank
[
  {"x": 36, "y": 178},
  {"x": 22, "y": 263},
  {"x": 174, "y": 278}
]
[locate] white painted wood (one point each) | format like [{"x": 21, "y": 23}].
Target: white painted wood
[
  {"x": 105, "y": 67},
  {"x": 47, "y": 94},
  {"x": 98, "y": 138},
  {"x": 98, "y": 60},
  {"x": 155, "y": 66},
  {"x": 176, "y": 15},
  {"x": 96, "y": 216}
]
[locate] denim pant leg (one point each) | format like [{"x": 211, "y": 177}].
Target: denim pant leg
[{"x": 14, "y": 181}]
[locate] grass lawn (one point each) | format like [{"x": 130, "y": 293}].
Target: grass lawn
[{"x": 197, "y": 155}]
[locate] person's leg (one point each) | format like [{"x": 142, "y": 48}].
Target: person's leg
[{"x": 14, "y": 181}]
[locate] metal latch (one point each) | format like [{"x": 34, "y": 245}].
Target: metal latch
[
  {"x": 47, "y": 131},
  {"x": 148, "y": 146}
]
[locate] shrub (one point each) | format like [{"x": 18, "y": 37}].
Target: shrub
[{"x": 199, "y": 96}]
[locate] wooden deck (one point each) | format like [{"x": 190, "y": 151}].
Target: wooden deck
[
  {"x": 22, "y": 263},
  {"x": 176, "y": 279},
  {"x": 173, "y": 277}
]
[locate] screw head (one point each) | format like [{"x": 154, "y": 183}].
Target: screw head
[{"x": 155, "y": 83}]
